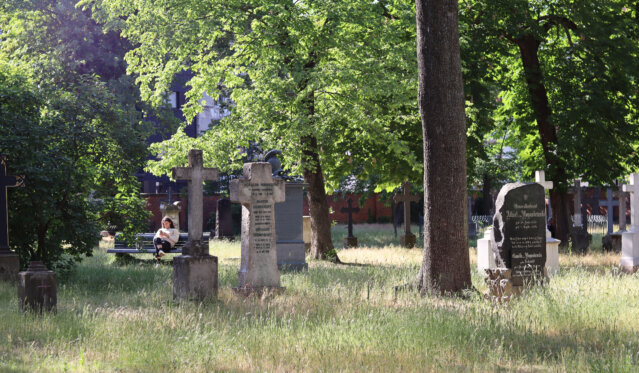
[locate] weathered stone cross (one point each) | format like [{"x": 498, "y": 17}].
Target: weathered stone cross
[
  {"x": 633, "y": 189},
  {"x": 6, "y": 181},
  {"x": 196, "y": 174},
  {"x": 609, "y": 204},
  {"x": 258, "y": 192},
  {"x": 350, "y": 210},
  {"x": 406, "y": 198}
]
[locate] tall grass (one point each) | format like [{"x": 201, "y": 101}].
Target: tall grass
[{"x": 331, "y": 318}]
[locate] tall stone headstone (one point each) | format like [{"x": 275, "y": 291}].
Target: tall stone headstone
[
  {"x": 407, "y": 240},
  {"x": 289, "y": 229},
  {"x": 519, "y": 231},
  {"x": 223, "y": 220},
  {"x": 579, "y": 236},
  {"x": 350, "y": 240},
  {"x": 258, "y": 192},
  {"x": 630, "y": 239},
  {"x": 9, "y": 261},
  {"x": 195, "y": 271}
]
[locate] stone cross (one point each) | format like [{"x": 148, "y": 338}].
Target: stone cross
[
  {"x": 196, "y": 174},
  {"x": 6, "y": 181},
  {"x": 633, "y": 189},
  {"x": 350, "y": 210},
  {"x": 258, "y": 192},
  {"x": 406, "y": 198},
  {"x": 609, "y": 204},
  {"x": 540, "y": 178}
]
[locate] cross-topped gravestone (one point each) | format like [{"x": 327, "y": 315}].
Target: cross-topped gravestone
[
  {"x": 195, "y": 271},
  {"x": 350, "y": 241},
  {"x": 9, "y": 261},
  {"x": 630, "y": 239},
  {"x": 408, "y": 239},
  {"x": 258, "y": 192},
  {"x": 196, "y": 174},
  {"x": 609, "y": 204},
  {"x": 552, "y": 244}
]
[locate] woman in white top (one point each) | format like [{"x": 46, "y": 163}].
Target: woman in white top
[{"x": 165, "y": 238}]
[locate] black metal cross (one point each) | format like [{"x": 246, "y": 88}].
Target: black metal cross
[
  {"x": 350, "y": 210},
  {"x": 6, "y": 181}
]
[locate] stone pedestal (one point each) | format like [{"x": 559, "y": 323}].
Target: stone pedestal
[
  {"x": 350, "y": 242},
  {"x": 485, "y": 255},
  {"x": 37, "y": 289},
  {"x": 9, "y": 266},
  {"x": 580, "y": 239},
  {"x": 630, "y": 251},
  {"x": 194, "y": 277},
  {"x": 500, "y": 285},
  {"x": 615, "y": 241},
  {"x": 408, "y": 240},
  {"x": 552, "y": 254}
]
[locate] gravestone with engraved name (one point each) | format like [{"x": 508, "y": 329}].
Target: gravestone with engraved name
[
  {"x": 223, "y": 220},
  {"x": 9, "y": 261},
  {"x": 519, "y": 231},
  {"x": 258, "y": 192},
  {"x": 195, "y": 271}
]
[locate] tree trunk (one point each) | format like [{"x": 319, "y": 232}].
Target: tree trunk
[
  {"x": 529, "y": 47},
  {"x": 321, "y": 242},
  {"x": 446, "y": 265}
]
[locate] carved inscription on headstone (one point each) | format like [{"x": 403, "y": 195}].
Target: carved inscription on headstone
[
  {"x": 519, "y": 231},
  {"x": 257, "y": 191}
]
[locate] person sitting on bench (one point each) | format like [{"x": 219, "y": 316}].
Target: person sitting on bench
[{"x": 165, "y": 238}]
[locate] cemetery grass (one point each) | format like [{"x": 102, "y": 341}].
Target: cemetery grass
[{"x": 332, "y": 318}]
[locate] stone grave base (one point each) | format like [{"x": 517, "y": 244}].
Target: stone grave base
[
  {"x": 629, "y": 252},
  {"x": 580, "y": 239},
  {"x": 194, "y": 277},
  {"x": 500, "y": 285},
  {"x": 408, "y": 240},
  {"x": 9, "y": 266},
  {"x": 258, "y": 290},
  {"x": 37, "y": 289},
  {"x": 615, "y": 239},
  {"x": 350, "y": 242}
]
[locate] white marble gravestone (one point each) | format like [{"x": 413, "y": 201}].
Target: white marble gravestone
[
  {"x": 630, "y": 239},
  {"x": 258, "y": 192}
]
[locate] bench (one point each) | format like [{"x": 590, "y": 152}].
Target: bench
[{"x": 145, "y": 244}]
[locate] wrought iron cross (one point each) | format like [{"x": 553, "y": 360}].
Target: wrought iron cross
[{"x": 350, "y": 210}]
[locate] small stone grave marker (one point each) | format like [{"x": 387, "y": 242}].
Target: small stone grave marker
[{"x": 258, "y": 192}]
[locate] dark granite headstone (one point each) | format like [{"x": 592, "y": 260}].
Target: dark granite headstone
[
  {"x": 223, "y": 220},
  {"x": 289, "y": 229},
  {"x": 519, "y": 231},
  {"x": 350, "y": 240}
]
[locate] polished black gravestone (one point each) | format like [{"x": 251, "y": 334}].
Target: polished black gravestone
[
  {"x": 9, "y": 261},
  {"x": 37, "y": 289},
  {"x": 223, "y": 220},
  {"x": 519, "y": 231},
  {"x": 350, "y": 240}
]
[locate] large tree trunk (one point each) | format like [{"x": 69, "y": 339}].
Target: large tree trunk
[
  {"x": 529, "y": 47},
  {"x": 321, "y": 242},
  {"x": 446, "y": 264}
]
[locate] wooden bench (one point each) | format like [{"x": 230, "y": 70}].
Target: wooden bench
[{"x": 145, "y": 244}]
